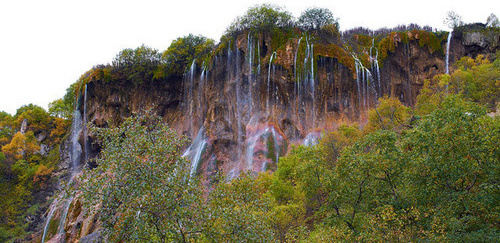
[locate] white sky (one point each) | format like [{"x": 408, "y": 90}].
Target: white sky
[{"x": 46, "y": 45}]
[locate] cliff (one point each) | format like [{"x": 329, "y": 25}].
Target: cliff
[
  {"x": 254, "y": 97},
  {"x": 247, "y": 96}
]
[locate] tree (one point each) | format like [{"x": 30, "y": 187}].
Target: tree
[
  {"x": 239, "y": 211},
  {"x": 316, "y": 18},
  {"x": 137, "y": 65},
  {"x": 6, "y": 127},
  {"x": 22, "y": 146},
  {"x": 64, "y": 107},
  {"x": 389, "y": 114},
  {"x": 58, "y": 108},
  {"x": 492, "y": 21},
  {"x": 263, "y": 17},
  {"x": 453, "y": 164},
  {"x": 38, "y": 119},
  {"x": 143, "y": 184},
  {"x": 453, "y": 20},
  {"x": 183, "y": 51}
]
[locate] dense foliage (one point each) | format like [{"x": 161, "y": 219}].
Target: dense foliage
[
  {"x": 183, "y": 51},
  {"x": 429, "y": 174},
  {"x": 137, "y": 65},
  {"x": 144, "y": 191},
  {"x": 29, "y": 154}
]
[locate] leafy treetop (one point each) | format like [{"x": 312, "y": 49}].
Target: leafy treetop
[
  {"x": 316, "y": 18},
  {"x": 183, "y": 51},
  {"x": 263, "y": 17},
  {"x": 137, "y": 65}
]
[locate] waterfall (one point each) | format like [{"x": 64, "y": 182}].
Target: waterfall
[
  {"x": 312, "y": 138},
  {"x": 258, "y": 145},
  {"x": 364, "y": 79},
  {"x": 375, "y": 69},
  {"x": 313, "y": 87},
  {"x": 238, "y": 100},
  {"x": 250, "y": 72},
  {"x": 273, "y": 55},
  {"x": 195, "y": 150},
  {"x": 448, "y": 44},
  {"x": 201, "y": 92},
  {"x": 191, "y": 96},
  {"x": 297, "y": 82},
  {"x": 295, "y": 60},
  {"x": 76, "y": 164},
  {"x": 85, "y": 130},
  {"x": 62, "y": 220},
  {"x": 364, "y": 83},
  {"x": 53, "y": 207},
  {"x": 357, "y": 82},
  {"x": 306, "y": 95},
  {"x": 75, "y": 149},
  {"x": 188, "y": 83}
]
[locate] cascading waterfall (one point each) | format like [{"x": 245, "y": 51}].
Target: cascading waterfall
[
  {"x": 62, "y": 221},
  {"x": 312, "y": 138},
  {"x": 448, "y": 44},
  {"x": 312, "y": 86},
  {"x": 195, "y": 151},
  {"x": 364, "y": 82},
  {"x": 190, "y": 94},
  {"x": 201, "y": 92},
  {"x": 53, "y": 207},
  {"x": 375, "y": 68},
  {"x": 85, "y": 130},
  {"x": 297, "y": 82},
  {"x": 238, "y": 100},
  {"x": 260, "y": 135},
  {"x": 357, "y": 65},
  {"x": 250, "y": 53},
  {"x": 76, "y": 164},
  {"x": 273, "y": 55},
  {"x": 75, "y": 149},
  {"x": 305, "y": 95}
]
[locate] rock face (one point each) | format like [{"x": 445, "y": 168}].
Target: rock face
[
  {"x": 245, "y": 107},
  {"x": 251, "y": 102}
]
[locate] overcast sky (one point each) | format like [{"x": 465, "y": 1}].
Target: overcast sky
[{"x": 46, "y": 45}]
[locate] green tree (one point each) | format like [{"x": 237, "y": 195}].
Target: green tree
[
  {"x": 6, "y": 127},
  {"x": 389, "y": 114},
  {"x": 453, "y": 157},
  {"x": 259, "y": 18},
  {"x": 316, "y": 18},
  {"x": 143, "y": 185},
  {"x": 239, "y": 211},
  {"x": 300, "y": 188},
  {"x": 478, "y": 80},
  {"x": 38, "y": 119},
  {"x": 64, "y": 107},
  {"x": 367, "y": 175},
  {"x": 181, "y": 53},
  {"x": 137, "y": 65},
  {"x": 57, "y": 108}
]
